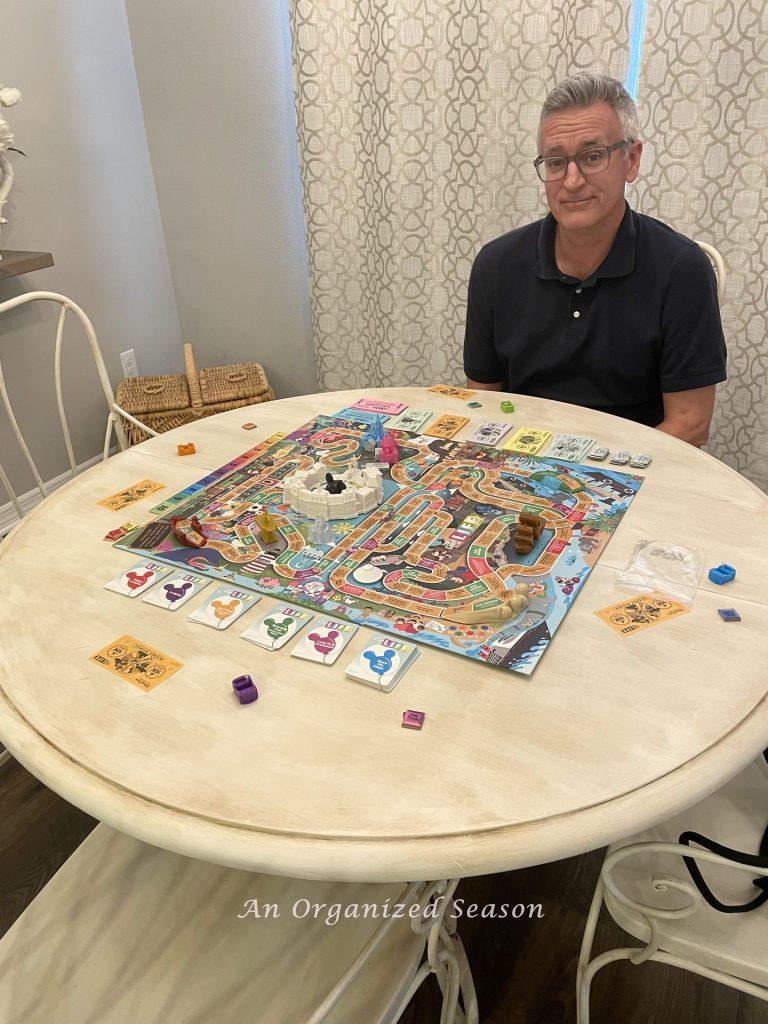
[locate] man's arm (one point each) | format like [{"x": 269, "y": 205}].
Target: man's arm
[
  {"x": 688, "y": 414},
  {"x": 479, "y": 386},
  {"x": 693, "y": 352}
]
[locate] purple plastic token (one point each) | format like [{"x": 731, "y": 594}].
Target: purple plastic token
[{"x": 245, "y": 690}]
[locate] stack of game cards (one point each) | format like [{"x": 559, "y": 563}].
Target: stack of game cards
[
  {"x": 325, "y": 642},
  {"x": 276, "y": 627},
  {"x": 382, "y": 662}
]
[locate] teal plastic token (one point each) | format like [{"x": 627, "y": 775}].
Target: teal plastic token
[{"x": 474, "y": 405}]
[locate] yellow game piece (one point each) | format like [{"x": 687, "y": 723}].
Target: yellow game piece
[{"x": 267, "y": 525}]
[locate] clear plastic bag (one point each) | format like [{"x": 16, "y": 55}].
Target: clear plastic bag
[{"x": 660, "y": 565}]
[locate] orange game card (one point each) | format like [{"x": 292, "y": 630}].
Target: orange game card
[
  {"x": 133, "y": 493},
  {"x": 640, "y": 612},
  {"x": 139, "y": 663},
  {"x": 446, "y": 426},
  {"x": 451, "y": 392}
]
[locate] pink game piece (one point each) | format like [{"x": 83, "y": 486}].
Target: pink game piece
[
  {"x": 388, "y": 451},
  {"x": 413, "y": 719},
  {"x": 374, "y": 405}
]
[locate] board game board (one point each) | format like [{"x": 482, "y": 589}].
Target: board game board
[{"x": 440, "y": 543}]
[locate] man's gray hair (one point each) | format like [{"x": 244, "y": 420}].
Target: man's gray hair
[{"x": 590, "y": 87}]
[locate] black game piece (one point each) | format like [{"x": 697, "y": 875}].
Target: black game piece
[{"x": 334, "y": 486}]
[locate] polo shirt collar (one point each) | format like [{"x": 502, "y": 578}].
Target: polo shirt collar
[{"x": 619, "y": 262}]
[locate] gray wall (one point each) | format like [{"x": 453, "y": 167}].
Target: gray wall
[
  {"x": 215, "y": 82},
  {"x": 86, "y": 193}
]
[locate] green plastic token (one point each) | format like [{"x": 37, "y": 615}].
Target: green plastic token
[{"x": 507, "y": 406}]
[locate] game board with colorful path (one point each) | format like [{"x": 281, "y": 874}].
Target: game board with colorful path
[{"x": 437, "y": 551}]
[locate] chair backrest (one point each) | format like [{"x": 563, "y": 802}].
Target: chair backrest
[
  {"x": 114, "y": 412},
  {"x": 718, "y": 264}
]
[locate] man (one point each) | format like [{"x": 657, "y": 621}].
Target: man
[{"x": 596, "y": 304}]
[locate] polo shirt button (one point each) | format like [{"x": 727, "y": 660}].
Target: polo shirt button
[
  {"x": 576, "y": 314},
  {"x": 578, "y": 291}
]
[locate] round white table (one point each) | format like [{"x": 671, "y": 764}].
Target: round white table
[{"x": 318, "y": 780}]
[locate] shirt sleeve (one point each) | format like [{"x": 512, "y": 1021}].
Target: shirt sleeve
[
  {"x": 693, "y": 351},
  {"x": 481, "y": 362}
]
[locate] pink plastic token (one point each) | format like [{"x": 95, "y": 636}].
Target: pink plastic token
[{"x": 413, "y": 719}]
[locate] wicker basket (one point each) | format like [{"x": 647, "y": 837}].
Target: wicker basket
[{"x": 173, "y": 400}]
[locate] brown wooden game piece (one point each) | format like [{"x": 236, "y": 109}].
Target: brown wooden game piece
[
  {"x": 535, "y": 522},
  {"x": 524, "y": 539}
]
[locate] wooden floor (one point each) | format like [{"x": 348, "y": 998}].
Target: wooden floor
[{"x": 524, "y": 969}]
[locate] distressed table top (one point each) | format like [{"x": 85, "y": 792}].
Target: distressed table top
[{"x": 318, "y": 779}]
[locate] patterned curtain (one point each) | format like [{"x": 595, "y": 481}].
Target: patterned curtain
[
  {"x": 416, "y": 122},
  {"x": 703, "y": 105}
]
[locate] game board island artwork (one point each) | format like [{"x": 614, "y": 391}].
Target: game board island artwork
[{"x": 473, "y": 549}]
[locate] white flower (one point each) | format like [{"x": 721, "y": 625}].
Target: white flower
[
  {"x": 9, "y": 96},
  {"x": 6, "y": 135}
]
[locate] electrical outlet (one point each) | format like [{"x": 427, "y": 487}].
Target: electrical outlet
[{"x": 128, "y": 359}]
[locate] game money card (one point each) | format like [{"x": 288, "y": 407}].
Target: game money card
[
  {"x": 527, "y": 440},
  {"x": 446, "y": 426},
  {"x": 138, "y": 578},
  {"x": 636, "y": 613},
  {"x": 224, "y": 606},
  {"x": 570, "y": 447},
  {"x": 375, "y": 405},
  {"x": 489, "y": 432},
  {"x": 275, "y": 628},
  {"x": 139, "y": 663},
  {"x": 135, "y": 492},
  {"x": 382, "y": 662},
  {"x": 448, "y": 391},
  {"x": 177, "y": 590},
  {"x": 359, "y": 415},
  {"x": 325, "y": 641},
  {"x": 120, "y": 531},
  {"x": 410, "y": 419}
]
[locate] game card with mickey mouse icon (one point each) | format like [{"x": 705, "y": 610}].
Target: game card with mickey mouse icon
[
  {"x": 138, "y": 578},
  {"x": 325, "y": 641},
  {"x": 382, "y": 662},
  {"x": 177, "y": 590},
  {"x": 275, "y": 628},
  {"x": 224, "y": 606}
]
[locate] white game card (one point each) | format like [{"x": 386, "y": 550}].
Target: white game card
[
  {"x": 224, "y": 606},
  {"x": 569, "y": 447},
  {"x": 177, "y": 590},
  {"x": 381, "y": 663},
  {"x": 325, "y": 641},
  {"x": 275, "y": 628},
  {"x": 138, "y": 578},
  {"x": 489, "y": 432}
]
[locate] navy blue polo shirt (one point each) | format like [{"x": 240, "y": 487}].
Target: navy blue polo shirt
[{"x": 647, "y": 321}]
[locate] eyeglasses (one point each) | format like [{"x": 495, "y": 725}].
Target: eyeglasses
[{"x": 589, "y": 161}]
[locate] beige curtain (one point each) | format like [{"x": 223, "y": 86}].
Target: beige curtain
[
  {"x": 703, "y": 105},
  {"x": 417, "y": 124}
]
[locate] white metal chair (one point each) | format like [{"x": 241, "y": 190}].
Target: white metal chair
[
  {"x": 114, "y": 410},
  {"x": 718, "y": 264},
  {"x": 649, "y": 892},
  {"x": 124, "y": 925}
]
